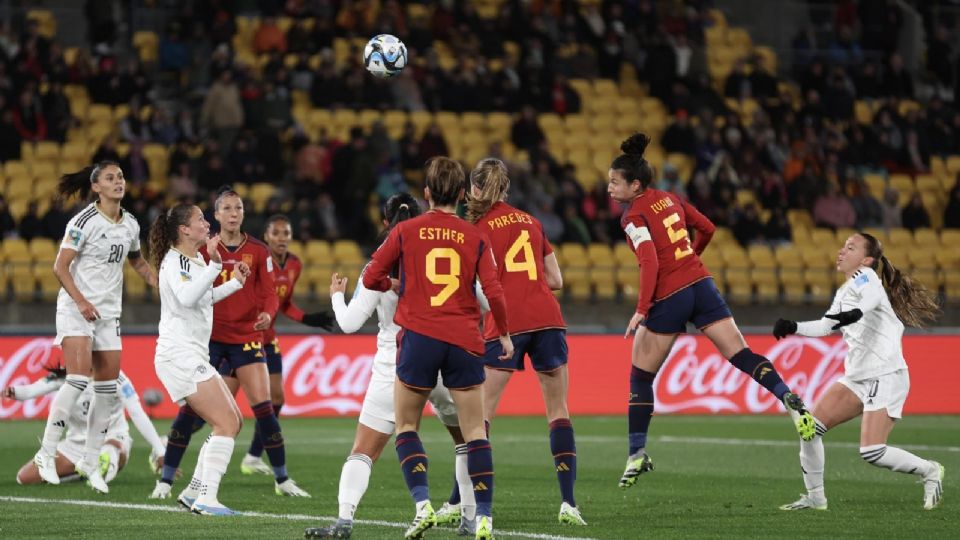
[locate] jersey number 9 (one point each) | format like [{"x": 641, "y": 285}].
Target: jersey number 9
[
  {"x": 677, "y": 236},
  {"x": 450, "y": 280}
]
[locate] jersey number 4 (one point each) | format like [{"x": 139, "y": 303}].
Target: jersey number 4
[
  {"x": 449, "y": 280},
  {"x": 677, "y": 236},
  {"x": 528, "y": 264}
]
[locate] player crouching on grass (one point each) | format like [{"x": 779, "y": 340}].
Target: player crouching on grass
[{"x": 868, "y": 310}]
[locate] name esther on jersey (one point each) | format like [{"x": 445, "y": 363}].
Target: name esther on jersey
[{"x": 441, "y": 233}]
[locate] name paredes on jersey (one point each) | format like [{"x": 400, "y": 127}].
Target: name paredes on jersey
[
  {"x": 512, "y": 218},
  {"x": 692, "y": 380}
]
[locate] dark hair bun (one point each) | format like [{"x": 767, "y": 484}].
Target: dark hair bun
[
  {"x": 635, "y": 144},
  {"x": 227, "y": 188}
]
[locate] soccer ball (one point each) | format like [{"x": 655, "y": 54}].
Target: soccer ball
[{"x": 385, "y": 56}]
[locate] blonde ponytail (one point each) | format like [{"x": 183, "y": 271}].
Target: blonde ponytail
[{"x": 490, "y": 177}]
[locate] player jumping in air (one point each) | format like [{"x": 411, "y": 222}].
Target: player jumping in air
[
  {"x": 868, "y": 310},
  {"x": 675, "y": 288}
]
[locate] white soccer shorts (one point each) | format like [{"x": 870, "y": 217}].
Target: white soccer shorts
[
  {"x": 181, "y": 374},
  {"x": 377, "y": 412},
  {"x": 887, "y": 391},
  {"x": 105, "y": 333}
]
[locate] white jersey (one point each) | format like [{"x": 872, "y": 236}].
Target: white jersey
[
  {"x": 362, "y": 306},
  {"x": 187, "y": 296},
  {"x": 875, "y": 341},
  {"x": 102, "y": 246}
]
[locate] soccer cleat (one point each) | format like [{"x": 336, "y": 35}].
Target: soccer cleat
[
  {"x": 93, "y": 476},
  {"x": 343, "y": 528},
  {"x": 254, "y": 465},
  {"x": 570, "y": 515},
  {"x": 484, "y": 528},
  {"x": 424, "y": 519},
  {"x": 289, "y": 488},
  {"x": 635, "y": 467},
  {"x": 468, "y": 527},
  {"x": 933, "y": 486},
  {"x": 213, "y": 509},
  {"x": 156, "y": 459},
  {"x": 47, "y": 467},
  {"x": 186, "y": 500},
  {"x": 161, "y": 491},
  {"x": 448, "y": 514},
  {"x": 806, "y": 502},
  {"x": 802, "y": 419}
]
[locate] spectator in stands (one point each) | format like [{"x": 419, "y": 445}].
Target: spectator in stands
[
  {"x": 868, "y": 81},
  {"x": 563, "y": 98},
  {"x": 891, "y": 209},
  {"x": 777, "y": 230},
  {"x": 839, "y": 98},
  {"x": 868, "y": 208},
  {"x": 951, "y": 213},
  {"x": 54, "y": 221},
  {"x": 28, "y": 118},
  {"x": 30, "y": 225},
  {"x": 914, "y": 156},
  {"x": 352, "y": 181},
  {"x": 8, "y": 227},
  {"x": 747, "y": 227},
  {"x": 671, "y": 182},
  {"x": 845, "y": 50},
  {"x": 56, "y": 109},
  {"x": 680, "y": 136},
  {"x": 298, "y": 38},
  {"x": 10, "y": 138},
  {"x": 107, "y": 151},
  {"x": 133, "y": 127},
  {"x": 134, "y": 165},
  {"x": 213, "y": 172},
  {"x": 526, "y": 133},
  {"x": 182, "y": 185},
  {"x": 269, "y": 37},
  {"x": 833, "y": 210},
  {"x": 938, "y": 56},
  {"x": 173, "y": 53},
  {"x": 575, "y": 229},
  {"x": 896, "y": 80},
  {"x": 432, "y": 143},
  {"x": 914, "y": 215},
  {"x": 222, "y": 111}
]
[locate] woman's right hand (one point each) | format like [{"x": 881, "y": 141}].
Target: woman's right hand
[
  {"x": 212, "y": 252},
  {"x": 241, "y": 272},
  {"x": 338, "y": 284},
  {"x": 89, "y": 312},
  {"x": 8, "y": 393}
]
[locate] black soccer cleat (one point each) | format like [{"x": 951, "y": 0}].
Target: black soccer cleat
[{"x": 341, "y": 529}]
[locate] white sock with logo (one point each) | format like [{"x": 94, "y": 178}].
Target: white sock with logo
[
  {"x": 468, "y": 502},
  {"x": 812, "y": 460},
  {"x": 354, "y": 479}
]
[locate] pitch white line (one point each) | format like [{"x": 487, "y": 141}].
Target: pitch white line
[{"x": 290, "y": 517}]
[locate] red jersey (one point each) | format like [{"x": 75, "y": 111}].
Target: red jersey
[
  {"x": 519, "y": 247},
  {"x": 440, "y": 257},
  {"x": 656, "y": 228},
  {"x": 234, "y": 316},
  {"x": 285, "y": 276}
]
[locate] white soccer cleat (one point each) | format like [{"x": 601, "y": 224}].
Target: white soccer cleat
[
  {"x": 93, "y": 476},
  {"x": 933, "y": 486},
  {"x": 289, "y": 488},
  {"x": 188, "y": 497},
  {"x": 806, "y": 502},
  {"x": 161, "y": 491},
  {"x": 448, "y": 514},
  {"x": 213, "y": 508},
  {"x": 47, "y": 467},
  {"x": 570, "y": 515},
  {"x": 254, "y": 465}
]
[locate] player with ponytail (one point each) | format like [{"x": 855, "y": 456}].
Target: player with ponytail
[
  {"x": 870, "y": 310},
  {"x": 675, "y": 288}
]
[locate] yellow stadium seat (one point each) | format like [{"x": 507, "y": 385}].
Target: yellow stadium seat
[
  {"x": 133, "y": 285},
  {"x": 820, "y": 284},
  {"x": 823, "y": 237},
  {"x": 927, "y": 238},
  {"x": 624, "y": 255},
  {"x": 951, "y": 286},
  {"x": 900, "y": 238},
  {"x": 722, "y": 236},
  {"x": 347, "y": 252},
  {"x": 601, "y": 255},
  {"x": 739, "y": 288},
  {"x": 604, "y": 281},
  {"x": 23, "y": 280},
  {"x": 19, "y": 189},
  {"x": 75, "y": 151},
  {"x": 43, "y": 249},
  {"x": 318, "y": 252},
  {"x": 902, "y": 183},
  {"x": 713, "y": 261},
  {"x": 15, "y": 170},
  {"x": 799, "y": 218},
  {"x": 367, "y": 117},
  {"x": 928, "y": 183},
  {"x": 735, "y": 257},
  {"x": 99, "y": 113},
  {"x": 574, "y": 254},
  {"x": 260, "y": 194},
  {"x": 953, "y": 165},
  {"x": 876, "y": 183},
  {"x": 879, "y": 234},
  {"x": 816, "y": 258},
  {"x": 577, "y": 123},
  {"x": 766, "y": 283}
]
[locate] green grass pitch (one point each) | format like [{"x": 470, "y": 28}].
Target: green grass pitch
[{"x": 715, "y": 477}]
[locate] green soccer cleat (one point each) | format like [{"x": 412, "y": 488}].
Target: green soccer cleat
[
  {"x": 802, "y": 419},
  {"x": 484, "y": 528},
  {"x": 570, "y": 515},
  {"x": 635, "y": 467},
  {"x": 424, "y": 519},
  {"x": 448, "y": 514},
  {"x": 104, "y": 464},
  {"x": 806, "y": 502}
]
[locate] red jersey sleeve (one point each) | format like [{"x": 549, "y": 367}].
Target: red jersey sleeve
[
  {"x": 377, "y": 275},
  {"x": 700, "y": 223},
  {"x": 638, "y": 235},
  {"x": 547, "y": 247},
  {"x": 266, "y": 288},
  {"x": 489, "y": 282},
  {"x": 287, "y": 306}
]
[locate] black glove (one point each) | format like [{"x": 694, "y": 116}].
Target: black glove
[
  {"x": 320, "y": 319},
  {"x": 844, "y": 318},
  {"x": 783, "y": 328}
]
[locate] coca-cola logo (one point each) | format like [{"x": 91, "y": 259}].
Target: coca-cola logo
[
  {"x": 25, "y": 365},
  {"x": 691, "y": 381},
  {"x": 316, "y": 381}
]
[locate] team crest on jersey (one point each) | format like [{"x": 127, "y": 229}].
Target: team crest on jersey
[
  {"x": 248, "y": 259},
  {"x": 185, "y": 276},
  {"x": 74, "y": 236}
]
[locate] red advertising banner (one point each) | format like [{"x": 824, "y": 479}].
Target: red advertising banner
[{"x": 328, "y": 375}]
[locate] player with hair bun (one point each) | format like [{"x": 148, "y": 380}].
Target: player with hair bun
[
  {"x": 675, "y": 288},
  {"x": 870, "y": 310}
]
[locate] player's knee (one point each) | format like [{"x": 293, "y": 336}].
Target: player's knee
[
  {"x": 28, "y": 475},
  {"x": 872, "y": 454}
]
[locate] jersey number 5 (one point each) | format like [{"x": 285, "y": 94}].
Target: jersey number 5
[
  {"x": 676, "y": 236},
  {"x": 528, "y": 264},
  {"x": 450, "y": 280}
]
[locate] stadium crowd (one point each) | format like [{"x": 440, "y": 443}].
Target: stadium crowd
[{"x": 804, "y": 147}]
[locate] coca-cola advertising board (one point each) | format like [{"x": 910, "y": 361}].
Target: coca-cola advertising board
[{"x": 327, "y": 375}]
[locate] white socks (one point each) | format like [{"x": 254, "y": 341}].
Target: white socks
[
  {"x": 101, "y": 410},
  {"x": 895, "y": 459},
  {"x": 60, "y": 410},
  {"x": 468, "y": 503},
  {"x": 196, "y": 482},
  {"x": 812, "y": 462},
  {"x": 215, "y": 458},
  {"x": 114, "y": 467},
  {"x": 354, "y": 478}
]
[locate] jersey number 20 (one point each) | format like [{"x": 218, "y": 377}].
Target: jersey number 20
[
  {"x": 450, "y": 280},
  {"x": 676, "y": 236}
]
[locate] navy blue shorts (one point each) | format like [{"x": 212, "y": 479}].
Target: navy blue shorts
[
  {"x": 699, "y": 303},
  {"x": 420, "y": 358},
  {"x": 228, "y": 357},
  {"x": 274, "y": 358},
  {"x": 547, "y": 350}
]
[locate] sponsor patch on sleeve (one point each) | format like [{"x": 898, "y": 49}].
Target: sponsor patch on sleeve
[
  {"x": 127, "y": 390},
  {"x": 269, "y": 263},
  {"x": 861, "y": 280},
  {"x": 638, "y": 235},
  {"x": 185, "y": 276},
  {"x": 74, "y": 236}
]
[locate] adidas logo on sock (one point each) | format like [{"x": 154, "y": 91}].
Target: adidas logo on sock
[
  {"x": 60, "y": 423},
  {"x": 419, "y": 468},
  {"x": 562, "y": 467},
  {"x": 480, "y": 486},
  {"x": 764, "y": 371}
]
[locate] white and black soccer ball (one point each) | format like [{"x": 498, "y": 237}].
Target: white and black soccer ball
[{"x": 385, "y": 56}]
